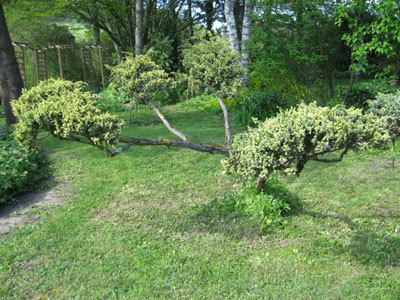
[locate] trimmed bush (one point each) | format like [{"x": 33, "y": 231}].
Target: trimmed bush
[
  {"x": 295, "y": 136},
  {"x": 278, "y": 80},
  {"x": 387, "y": 106},
  {"x": 140, "y": 79},
  {"x": 111, "y": 101},
  {"x": 213, "y": 68},
  {"x": 65, "y": 110}
]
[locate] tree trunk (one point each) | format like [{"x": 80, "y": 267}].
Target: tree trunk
[
  {"x": 96, "y": 35},
  {"x": 260, "y": 183},
  {"x": 150, "y": 10},
  {"x": 238, "y": 12},
  {"x": 394, "y": 150},
  {"x": 209, "y": 9},
  {"x": 11, "y": 83},
  {"x": 248, "y": 10},
  {"x": 139, "y": 28},
  {"x": 231, "y": 25},
  {"x": 190, "y": 18}
]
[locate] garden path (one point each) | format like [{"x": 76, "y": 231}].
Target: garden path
[{"x": 22, "y": 210}]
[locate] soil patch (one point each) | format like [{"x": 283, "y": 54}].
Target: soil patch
[{"x": 17, "y": 213}]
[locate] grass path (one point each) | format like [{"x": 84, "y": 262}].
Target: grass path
[{"x": 143, "y": 225}]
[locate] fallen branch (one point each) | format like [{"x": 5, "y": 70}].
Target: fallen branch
[{"x": 212, "y": 149}]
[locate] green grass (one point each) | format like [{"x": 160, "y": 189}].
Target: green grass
[{"x": 144, "y": 225}]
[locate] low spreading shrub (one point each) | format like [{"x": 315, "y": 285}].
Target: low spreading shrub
[
  {"x": 258, "y": 104},
  {"x": 361, "y": 92},
  {"x": 207, "y": 103},
  {"x": 19, "y": 169},
  {"x": 288, "y": 141},
  {"x": 265, "y": 207},
  {"x": 65, "y": 110}
]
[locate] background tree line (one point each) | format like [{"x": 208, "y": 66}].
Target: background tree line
[{"x": 298, "y": 49}]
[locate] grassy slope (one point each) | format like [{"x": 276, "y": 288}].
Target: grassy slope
[{"x": 143, "y": 225}]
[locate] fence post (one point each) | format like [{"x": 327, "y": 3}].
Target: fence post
[
  {"x": 60, "y": 62},
  {"x": 37, "y": 65}
]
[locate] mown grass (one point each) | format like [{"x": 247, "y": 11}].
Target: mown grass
[{"x": 146, "y": 225}]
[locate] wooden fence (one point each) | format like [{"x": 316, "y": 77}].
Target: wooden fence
[{"x": 63, "y": 53}]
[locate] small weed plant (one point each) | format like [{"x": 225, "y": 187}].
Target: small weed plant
[{"x": 266, "y": 207}]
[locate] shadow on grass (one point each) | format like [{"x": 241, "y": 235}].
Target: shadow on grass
[
  {"x": 363, "y": 245},
  {"x": 369, "y": 247},
  {"x": 366, "y": 246}
]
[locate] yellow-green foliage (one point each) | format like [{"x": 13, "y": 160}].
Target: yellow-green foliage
[
  {"x": 213, "y": 104},
  {"x": 65, "y": 110},
  {"x": 139, "y": 78},
  {"x": 213, "y": 68},
  {"x": 282, "y": 81},
  {"x": 286, "y": 142}
]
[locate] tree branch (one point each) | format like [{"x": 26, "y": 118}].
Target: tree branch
[
  {"x": 212, "y": 149},
  {"x": 228, "y": 137},
  {"x": 166, "y": 123},
  {"x": 339, "y": 159}
]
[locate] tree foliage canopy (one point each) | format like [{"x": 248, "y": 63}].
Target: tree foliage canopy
[{"x": 374, "y": 29}]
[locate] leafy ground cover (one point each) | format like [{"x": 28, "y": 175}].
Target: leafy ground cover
[{"x": 147, "y": 224}]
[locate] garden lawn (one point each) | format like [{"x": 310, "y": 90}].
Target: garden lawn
[{"x": 145, "y": 225}]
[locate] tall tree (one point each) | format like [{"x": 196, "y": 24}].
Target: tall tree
[
  {"x": 10, "y": 77},
  {"x": 374, "y": 28},
  {"x": 139, "y": 27}
]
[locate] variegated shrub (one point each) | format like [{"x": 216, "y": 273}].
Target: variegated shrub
[
  {"x": 288, "y": 141},
  {"x": 68, "y": 112}
]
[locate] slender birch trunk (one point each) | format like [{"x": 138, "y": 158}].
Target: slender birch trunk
[
  {"x": 231, "y": 25},
  {"x": 248, "y": 10}
]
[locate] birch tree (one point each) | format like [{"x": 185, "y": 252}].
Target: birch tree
[{"x": 240, "y": 47}]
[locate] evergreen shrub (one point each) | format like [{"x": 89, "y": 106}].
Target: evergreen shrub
[{"x": 140, "y": 79}]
